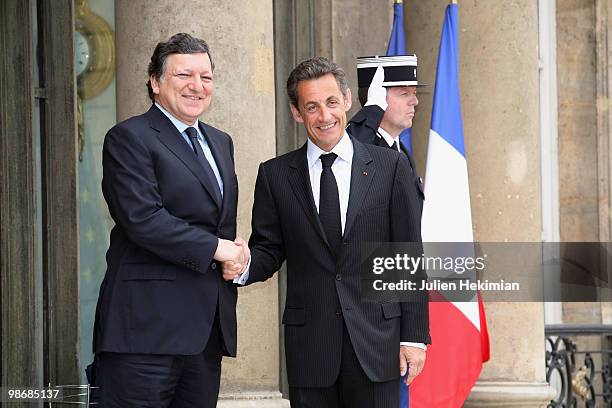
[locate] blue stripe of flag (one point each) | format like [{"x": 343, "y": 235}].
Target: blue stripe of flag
[
  {"x": 397, "y": 40},
  {"x": 446, "y": 113},
  {"x": 404, "y": 391},
  {"x": 397, "y": 46}
]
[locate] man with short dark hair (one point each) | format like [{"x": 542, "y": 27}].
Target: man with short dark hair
[
  {"x": 165, "y": 317},
  {"x": 314, "y": 207}
]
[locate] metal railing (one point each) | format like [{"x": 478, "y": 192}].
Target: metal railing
[
  {"x": 81, "y": 395},
  {"x": 573, "y": 371}
]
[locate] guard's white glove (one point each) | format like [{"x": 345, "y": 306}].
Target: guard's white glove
[{"x": 377, "y": 94}]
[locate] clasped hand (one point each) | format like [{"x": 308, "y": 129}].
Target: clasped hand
[{"x": 234, "y": 257}]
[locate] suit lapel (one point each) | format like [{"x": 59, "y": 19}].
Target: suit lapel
[
  {"x": 299, "y": 179},
  {"x": 172, "y": 139},
  {"x": 362, "y": 174}
]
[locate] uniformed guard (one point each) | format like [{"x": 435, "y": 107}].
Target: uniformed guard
[{"x": 388, "y": 95}]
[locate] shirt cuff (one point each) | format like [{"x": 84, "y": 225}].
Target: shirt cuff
[
  {"x": 242, "y": 279},
  {"x": 409, "y": 344}
]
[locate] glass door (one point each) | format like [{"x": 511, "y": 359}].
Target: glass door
[{"x": 96, "y": 114}]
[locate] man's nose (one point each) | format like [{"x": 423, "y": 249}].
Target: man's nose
[
  {"x": 325, "y": 114},
  {"x": 414, "y": 101},
  {"x": 195, "y": 83}
]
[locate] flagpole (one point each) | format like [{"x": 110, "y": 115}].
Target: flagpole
[
  {"x": 454, "y": 2},
  {"x": 398, "y": 1}
]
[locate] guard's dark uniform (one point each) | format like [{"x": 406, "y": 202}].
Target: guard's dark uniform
[{"x": 364, "y": 127}]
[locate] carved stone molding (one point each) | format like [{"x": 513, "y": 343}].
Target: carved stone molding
[
  {"x": 603, "y": 11},
  {"x": 254, "y": 400},
  {"x": 499, "y": 394}
]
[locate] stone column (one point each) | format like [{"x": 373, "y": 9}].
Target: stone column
[
  {"x": 348, "y": 29},
  {"x": 240, "y": 37},
  {"x": 498, "y": 70}
]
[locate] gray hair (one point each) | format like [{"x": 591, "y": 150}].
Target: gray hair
[{"x": 314, "y": 68}]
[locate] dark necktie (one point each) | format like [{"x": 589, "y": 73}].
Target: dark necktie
[
  {"x": 329, "y": 204},
  {"x": 192, "y": 133},
  {"x": 394, "y": 146}
]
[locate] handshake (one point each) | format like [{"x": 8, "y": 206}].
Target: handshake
[{"x": 234, "y": 257}]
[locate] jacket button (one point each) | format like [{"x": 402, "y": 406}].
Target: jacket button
[
  {"x": 338, "y": 313},
  {"x": 338, "y": 277},
  {"x": 213, "y": 266}
]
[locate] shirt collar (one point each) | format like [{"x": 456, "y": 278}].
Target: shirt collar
[
  {"x": 344, "y": 150},
  {"x": 388, "y": 138},
  {"x": 180, "y": 126}
]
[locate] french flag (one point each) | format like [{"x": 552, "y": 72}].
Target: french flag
[{"x": 458, "y": 329}]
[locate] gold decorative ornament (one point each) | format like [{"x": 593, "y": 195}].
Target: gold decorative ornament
[
  {"x": 94, "y": 51},
  {"x": 579, "y": 383},
  {"x": 94, "y": 59},
  {"x": 80, "y": 127}
]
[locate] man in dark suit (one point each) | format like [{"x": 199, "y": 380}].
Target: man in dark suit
[
  {"x": 387, "y": 110},
  {"x": 313, "y": 208},
  {"x": 165, "y": 316}
]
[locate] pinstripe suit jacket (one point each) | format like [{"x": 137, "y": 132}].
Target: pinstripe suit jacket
[{"x": 323, "y": 290}]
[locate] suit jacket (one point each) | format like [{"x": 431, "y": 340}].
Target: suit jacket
[
  {"x": 364, "y": 127},
  {"x": 162, "y": 288},
  {"x": 324, "y": 290}
]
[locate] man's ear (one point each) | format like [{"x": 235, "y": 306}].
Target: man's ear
[
  {"x": 297, "y": 116},
  {"x": 154, "y": 84},
  {"x": 348, "y": 100}
]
